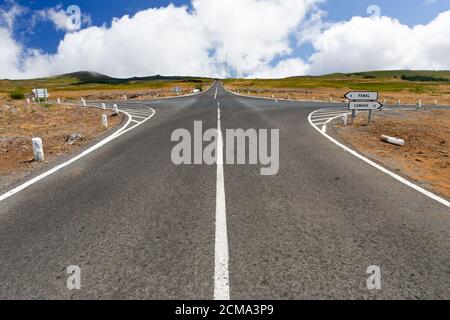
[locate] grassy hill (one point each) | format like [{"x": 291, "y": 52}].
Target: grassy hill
[
  {"x": 391, "y": 81},
  {"x": 84, "y": 80},
  {"x": 433, "y": 83}
]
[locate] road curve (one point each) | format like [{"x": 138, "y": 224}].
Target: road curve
[{"x": 140, "y": 227}]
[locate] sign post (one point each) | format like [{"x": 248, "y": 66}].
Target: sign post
[
  {"x": 363, "y": 101},
  {"x": 41, "y": 93}
]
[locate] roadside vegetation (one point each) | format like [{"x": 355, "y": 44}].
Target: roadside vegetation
[
  {"x": 17, "y": 95},
  {"x": 95, "y": 86},
  {"x": 408, "y": 86}
]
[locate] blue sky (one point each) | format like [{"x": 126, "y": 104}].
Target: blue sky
[
  {"x": 409, "y": 12},
  {"x": 42, "y": 34}
]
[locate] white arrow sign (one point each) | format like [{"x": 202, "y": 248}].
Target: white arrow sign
[
  {"x": 362, "y": 95},
  {"x": 41, "y": 93},
  {"x": 371, "y": 105}
]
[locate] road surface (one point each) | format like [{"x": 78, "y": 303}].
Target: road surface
[{"x": 140, "y": 227}]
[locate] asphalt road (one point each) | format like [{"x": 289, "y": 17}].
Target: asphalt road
[{"x": 140, "y": 227}]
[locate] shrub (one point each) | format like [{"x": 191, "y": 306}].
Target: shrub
[
  {"x": 424, "y": 78},
  {"x": 17, "y": 95}
]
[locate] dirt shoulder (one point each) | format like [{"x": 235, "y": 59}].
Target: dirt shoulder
[
  {"x": 424, "y": 158},
  {"x": 63, "y": 129},
  {"x": 410, "y": 87},
  {"x": 337, "y": 95},
  {"x": 121, "y": 94},
  {"x": 103, "y": 92}
]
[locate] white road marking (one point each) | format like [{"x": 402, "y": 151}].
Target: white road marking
[
  {"x": 221, "y": 274},
  {"x": 328, "y": 114},
  {"x": 134, "y": 112},
  {"x": 379, "y": 167},
  {"x": 321, "y": 119},
  {"x": 318, "y": 117},
  {"x": 112, "y": 137},
  {"x": 217, "y": 89},
  {"x": 136, "y": 116}
]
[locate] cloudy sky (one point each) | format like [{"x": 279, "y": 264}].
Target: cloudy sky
[{"x": 221, "y": 38}]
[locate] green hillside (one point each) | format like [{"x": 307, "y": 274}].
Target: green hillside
[
  {"x": 96, "y": 81},
  {"x": 393, "y": 81}
]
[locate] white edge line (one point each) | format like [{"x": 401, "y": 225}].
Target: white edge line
[
  {"x": 325, "y": 124},
  {"x": 221, "y": 273},
  {"x": 327, "y": 118},
  {"x": 280, "y": 99},
  {"x": 110, "y": 138},
  {"x": 379, "y": 167}
]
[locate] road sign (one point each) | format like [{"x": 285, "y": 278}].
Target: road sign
[
  {"x": 361, "y": 105},
  {"x": 41, "y": 93},
  {"x": 362, "y": 95}
]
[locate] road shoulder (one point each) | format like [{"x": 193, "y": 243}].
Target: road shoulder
[{"x": 423, "y": 161}]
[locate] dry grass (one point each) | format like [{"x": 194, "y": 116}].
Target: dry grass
[{"x": 389, "y": 84}]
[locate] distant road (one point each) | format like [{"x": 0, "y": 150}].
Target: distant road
[{"x": 141, "y": 227}]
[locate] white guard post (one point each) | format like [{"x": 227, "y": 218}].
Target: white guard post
[{"x": 38, "y": 149}]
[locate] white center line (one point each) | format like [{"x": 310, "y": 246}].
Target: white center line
[
  {"x": 217, "y": 89},
  {"x": 221, "y": 276}
]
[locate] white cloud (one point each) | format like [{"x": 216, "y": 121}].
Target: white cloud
[
  {"x": 63, "y": 20},
  {"x": 382, "y": 43},
  {"x": 246, "y": 35},
  {"x": 9, "y": 55},
  {"x": 7, "y": 17},
  {"x": 11, "y": 50},
  {"x": 287, "y": 67},
  {"x": 249, "y": 34}
]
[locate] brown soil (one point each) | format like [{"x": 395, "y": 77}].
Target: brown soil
[
  {"x": 425, "y": 157},
  {"x": 337, "y": 95},
  {"x": 19, "y": 124}
]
